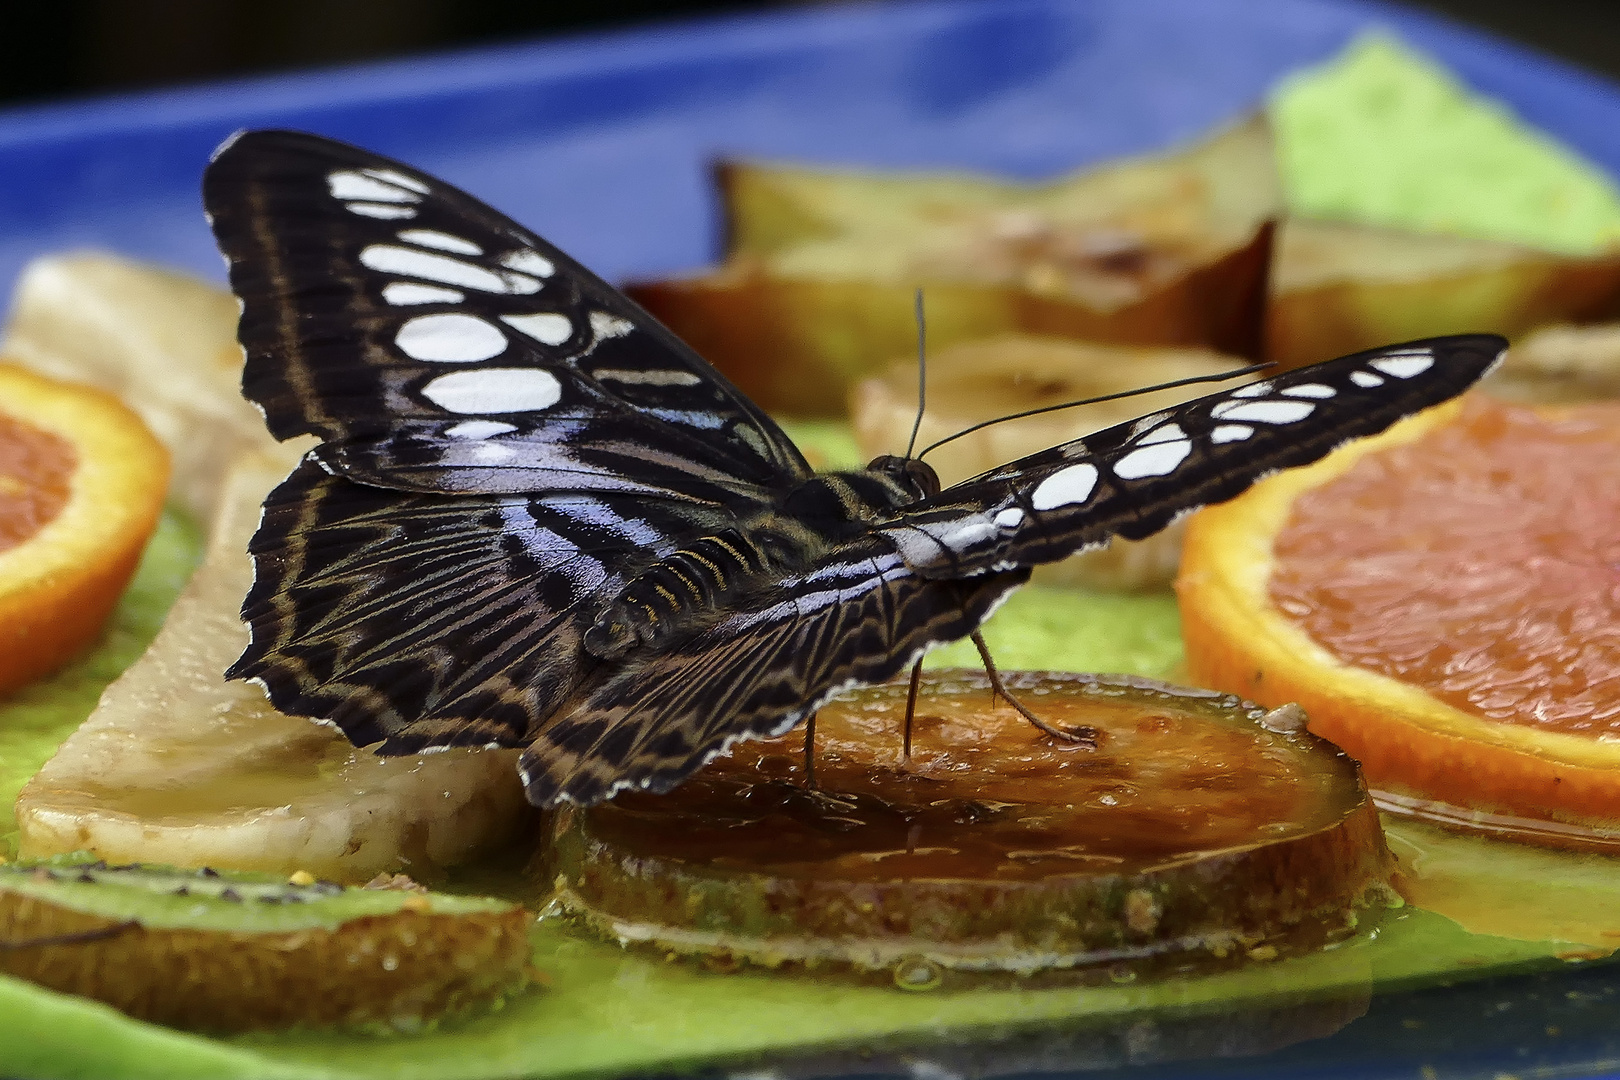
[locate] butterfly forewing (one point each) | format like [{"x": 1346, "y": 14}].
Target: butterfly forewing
[
  {"x": 1133, "y": 479},
  {"x": 537, "y": 519},
  {"x": 434, "y": 345}
]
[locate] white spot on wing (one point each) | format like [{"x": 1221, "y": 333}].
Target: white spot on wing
[
  {"x": 1366, "y": 379},
  {"x": 382, "y": 211},
  {"x": 1403, "y": 367},
  {"x": 1145, "y": 423},
  {"x": 1310, "y": 390},
  {"x": 443, "y": 241},
  {"x": 547, "y": 328},
  {"x": 1262, "y": 412},
  {"x": 1225, "y": 433},
  {"x": 345, "y": 184},
  {"x": 450, "y": 338},
  {"x": 606, "y": 326},
  {"x": 404, "y": 293},
  {"x": 393, "y": 176},
  {"x": 1160, "y": 459},
  {"x": 1010, "y": 518},
  {"x": 1065, "y": 487},
  {"x": 478, "y": 429},
  {"x": 1167, "y": 433},
  {"x": 1255, "y": 389},
  {"x": 528, "y": 261},
  {"x": 410, "y": 262},
  {"x": 494, "y": 390},
  {"x": 647, "y": 378}
]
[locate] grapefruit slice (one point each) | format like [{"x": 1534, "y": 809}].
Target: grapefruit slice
[
  {"x": 1442, "y": 601},
  {"x": 82, "y": 483}
]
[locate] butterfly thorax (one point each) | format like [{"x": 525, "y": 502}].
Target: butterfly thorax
[{"x": 685, "y": 589}]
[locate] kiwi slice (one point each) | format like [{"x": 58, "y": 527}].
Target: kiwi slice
[
  {"x": 1188, "y": 829},
  {"x": 231, "y": 951}
]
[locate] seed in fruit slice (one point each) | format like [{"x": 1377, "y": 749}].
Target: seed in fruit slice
[
  {"x": 1441, "y": 599},
  {"x": 81, "y": 488},
  {"x": 817, "y": 288},
  {"x": 225, "y": 951},
  {"x": 176, "y": 765},
  {"x": 981, "y": 380},
  {"x": 1199, "y": 827}
]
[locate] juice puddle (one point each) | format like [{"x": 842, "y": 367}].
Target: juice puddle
[{"x": 1509, "y": 890}]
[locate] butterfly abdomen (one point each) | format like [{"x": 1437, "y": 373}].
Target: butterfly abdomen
[{"x": 659, "y": 604}]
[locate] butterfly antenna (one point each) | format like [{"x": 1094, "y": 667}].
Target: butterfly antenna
[
  {"x": 1238, "y": 373},
  {"x": 922, "y": 375}
]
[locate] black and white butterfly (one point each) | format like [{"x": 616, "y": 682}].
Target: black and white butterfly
[{"x": 537, "y": 519}]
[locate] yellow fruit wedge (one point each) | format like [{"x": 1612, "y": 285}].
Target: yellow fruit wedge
[
  {"x": 178, "y": 766},
  {"x": 1337, "y": 289},
  {"x": 817, "y": 289},
  {"x": 162, "y": 342},
  {"x": 981, "y": 380}
]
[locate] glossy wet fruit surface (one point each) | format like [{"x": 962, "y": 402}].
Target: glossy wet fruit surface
[{"x": 1181, "y": 821}]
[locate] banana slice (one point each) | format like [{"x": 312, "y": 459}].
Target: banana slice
[
  {"x": 163, "y": 342},
  {"x": 999, "y": 376},
  {"x": 178, "y": 766}
]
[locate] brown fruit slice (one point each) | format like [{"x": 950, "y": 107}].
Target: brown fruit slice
[
  {"x": 1338, "y": 289},
  {"x": 818, "y": 285},
  {"x": 1198, "y": 828},
  {"x": 1000, "y": 376},
  {"x": 242, "y": 952}
]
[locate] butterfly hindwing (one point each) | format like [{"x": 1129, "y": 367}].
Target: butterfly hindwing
[{"x": 1132, "y": 480}]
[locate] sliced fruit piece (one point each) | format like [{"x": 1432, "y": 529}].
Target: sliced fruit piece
[
  {"x": 1561, "y": 364},
  {"x": 818, "y": 287},
  {"x": 242, "y": 952},
  {"x": 1190, "y": 826},
  {"x": 178, "y": 766},
  {"x": 981, "y": 380},
  {"x": 81, "y": 488},
  {"x": 1338, "y": 289},
  {"x": 1441, "y": 601},
  {"x": 163, "y": 342}
]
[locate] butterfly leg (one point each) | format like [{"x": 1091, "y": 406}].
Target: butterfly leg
[
  {"x": 810, "y": 753},
  {"x": 1086, "y": 735},
  {"x": 911, "y": 708}
]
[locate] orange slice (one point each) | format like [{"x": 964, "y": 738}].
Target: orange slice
[
  {"x": 82, "y": 482},
  {"x": 1442, "y": 600}
]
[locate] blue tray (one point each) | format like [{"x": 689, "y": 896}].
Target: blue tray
[{"x": 602, "y": 143}]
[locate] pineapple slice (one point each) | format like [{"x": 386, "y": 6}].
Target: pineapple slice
[
  {"x": 163, "y": 342},
  {"x": 178, "y": 766}
]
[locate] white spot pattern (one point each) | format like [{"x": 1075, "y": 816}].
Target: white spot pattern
[
  {"x": 547, "y": 327},
  {"x": 1065, "y": 487},
  {"x": 1159, "y": 459},
  {"x": 647, "y": 378},
  {"x": 1262, "y": 412},
  {"x": 478, "y": 429},
  {"x": 1366, "y": 379},
  {"x": 398, "y": 179},
  {"x": 1254, "y": 389},
  {"x": 1010, "y": 518},
  {"x": 1225, "y": 433},
  {"x": 494, "y": 390},
  {"x": 529, "y": 261},
  {"x": 1310, "y": 390},
  {"x": 1405, "y": 366},
  {"x": 450, "y": 338},
  {"x": 410, "y": 262},
  {"x": 604, "y": 325},
  {"x": 346, "y": 184},
  {"x": 1167, "y": 433},
  {"x": 433, "y": 238},
  {"x": 382, "y": 211},
  {"x": 404, "y": 293}
]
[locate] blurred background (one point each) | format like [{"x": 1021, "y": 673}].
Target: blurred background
[{"x": 79, "y": 47}]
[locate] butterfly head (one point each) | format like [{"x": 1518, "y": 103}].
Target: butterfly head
[{"x": 912, "y": 475}]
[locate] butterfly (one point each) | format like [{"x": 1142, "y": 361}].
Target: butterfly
[{"x": 537, "y": 519}]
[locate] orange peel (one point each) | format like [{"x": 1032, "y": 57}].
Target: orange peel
[
  {"x": 1425, "y": 755},
  {"x": 82, "y": 482}
]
